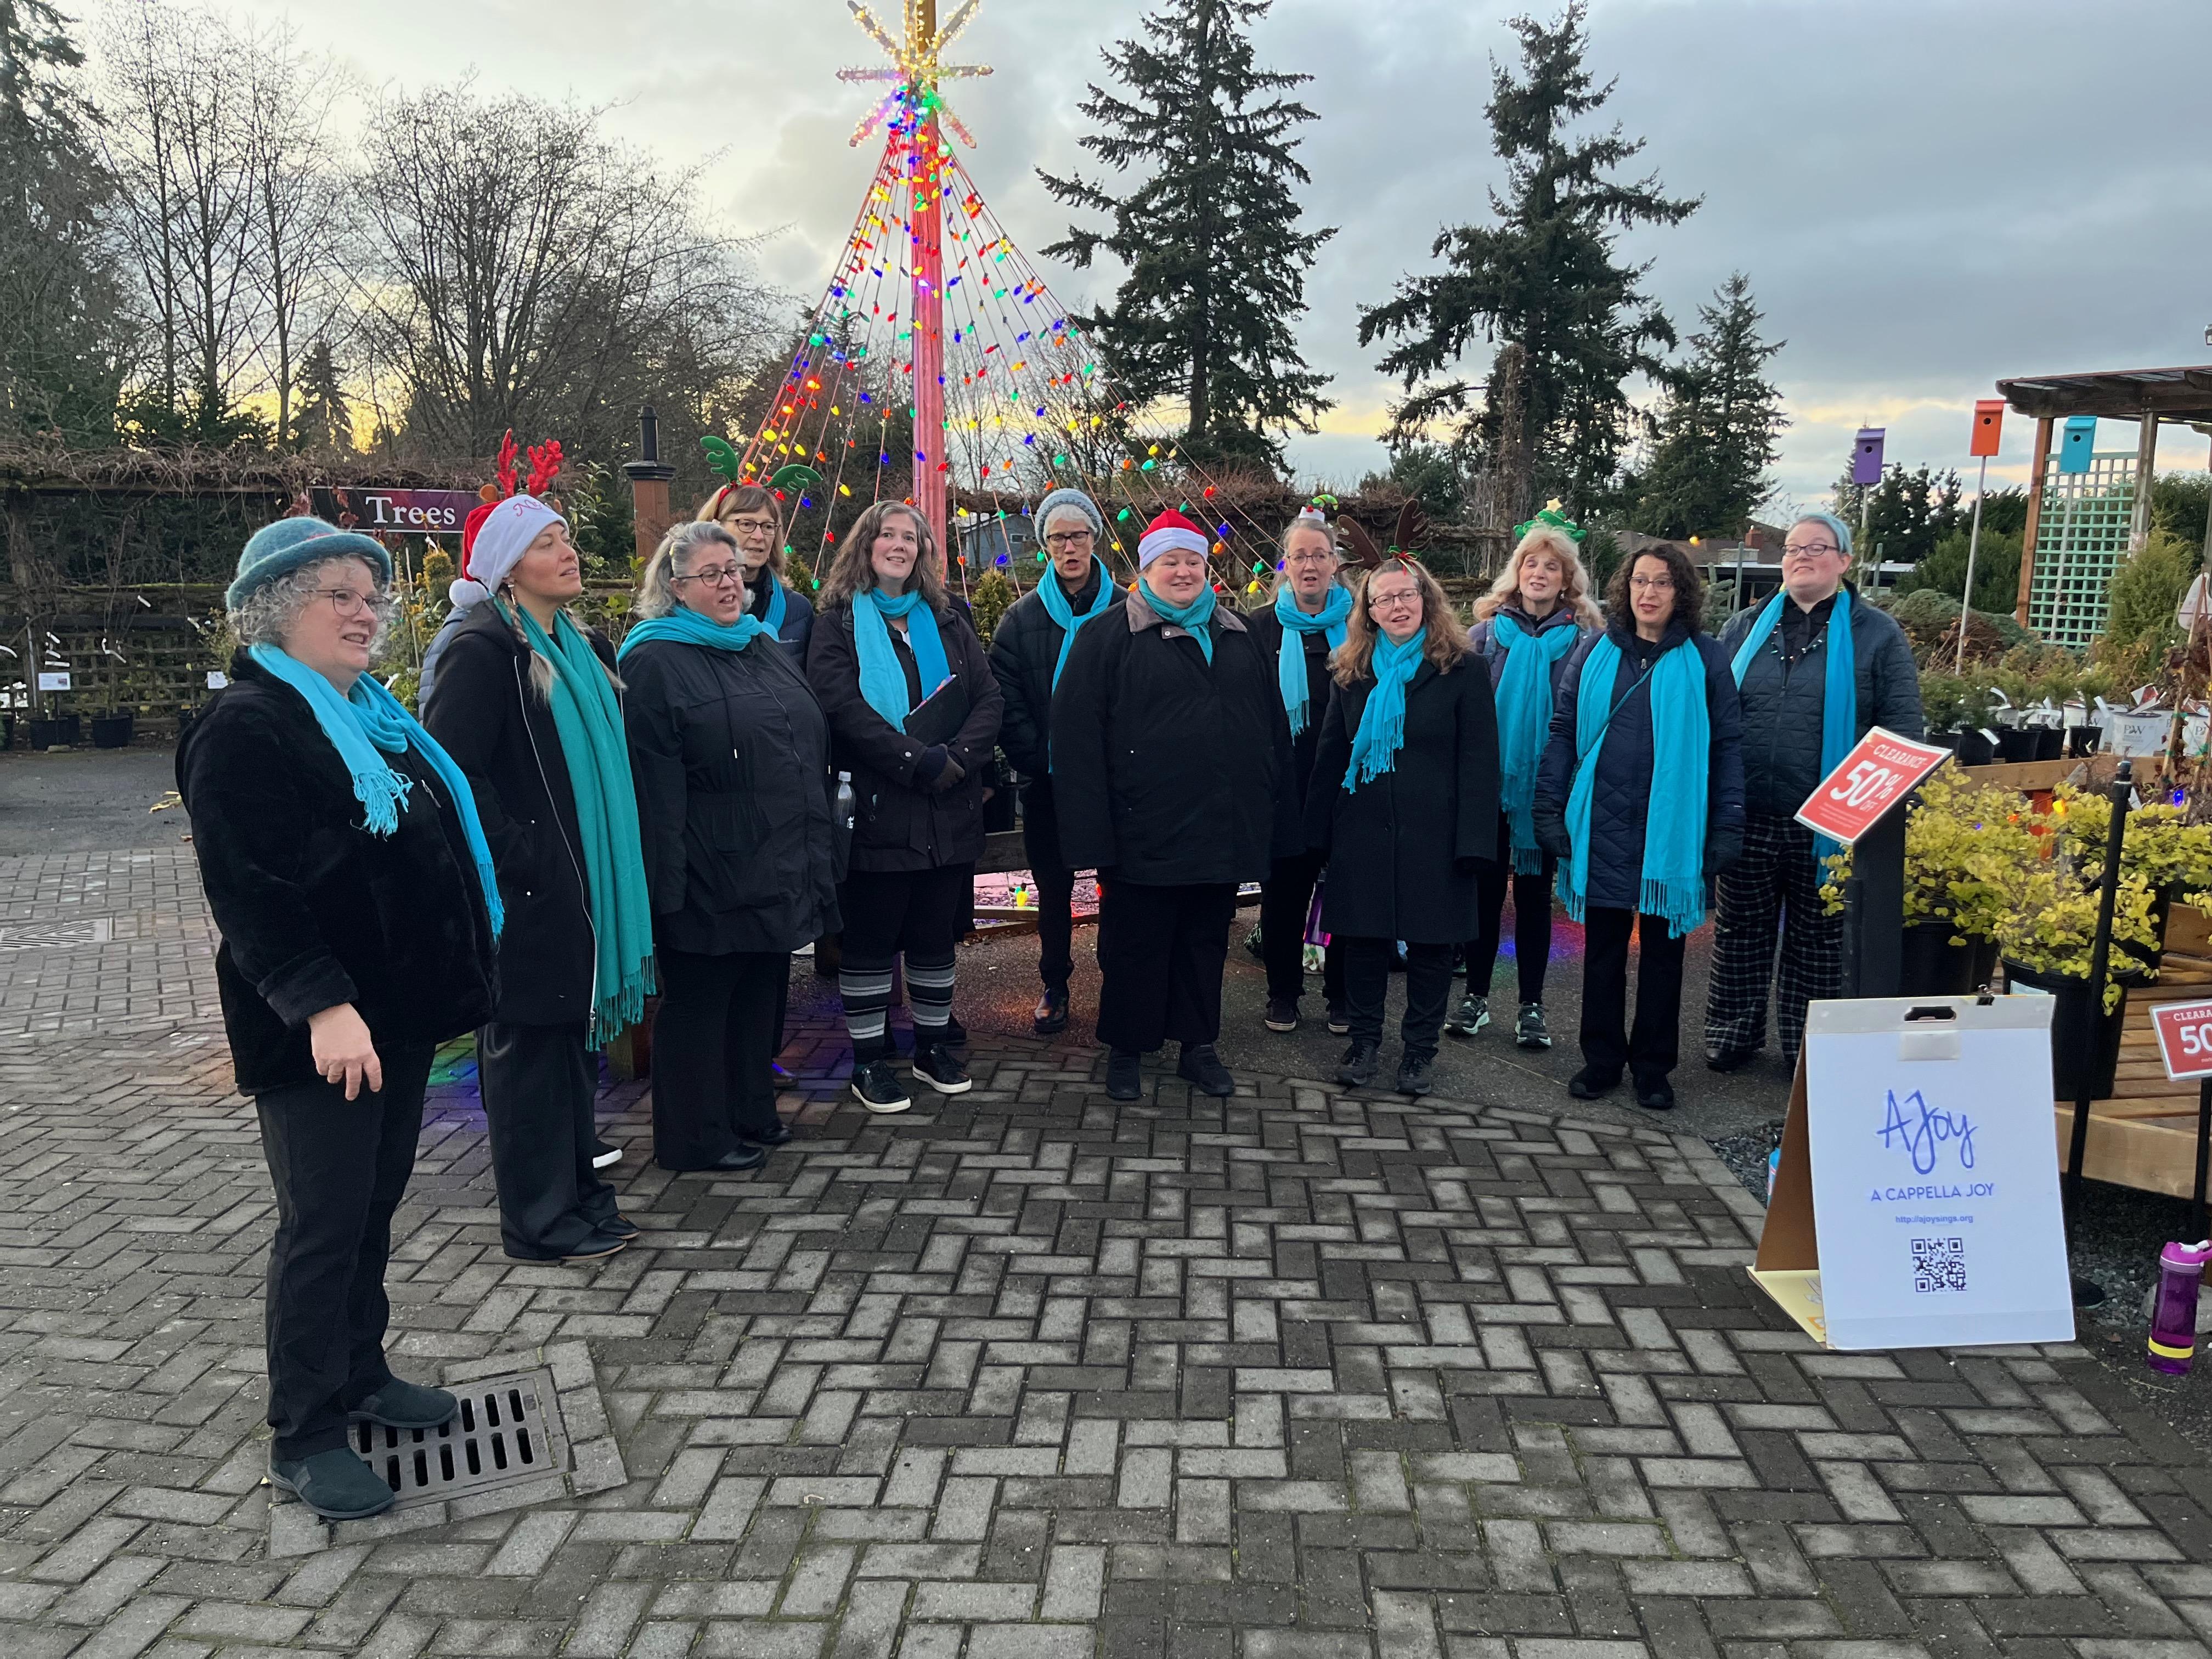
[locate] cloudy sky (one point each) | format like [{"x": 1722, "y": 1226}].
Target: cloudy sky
[{"x": 1926, "y": 194}]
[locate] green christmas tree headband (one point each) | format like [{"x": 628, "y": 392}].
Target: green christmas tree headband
[
  {"x": 1556, "y": 520},
  {"x": 726, "y": 460}
]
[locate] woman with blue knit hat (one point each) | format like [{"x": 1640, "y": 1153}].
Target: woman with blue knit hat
[
  {"x": 1404, "y": 804},
  {"x": 1640, "y": 798},
  {"x": 1298, "y": 630},
  {"x": 526, "y": 701},
  {"x": 1029, "y": 649},
  {"x": 1817, "y": 671},
  {"x": 350, "y": 879}
]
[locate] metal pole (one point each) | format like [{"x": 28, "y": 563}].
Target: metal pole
[
  {"x": 2197, "y": 1229},
  {"x": 2087, "y": 1059},
  {"x": 1973, "y": 546}
]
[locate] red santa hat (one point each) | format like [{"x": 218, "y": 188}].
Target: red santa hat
[
  {"x": 493, "y": 541},
  {"x": 1170, "y": 530}
]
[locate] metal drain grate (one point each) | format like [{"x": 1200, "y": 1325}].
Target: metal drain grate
[{"x": 501, "y": 1435}]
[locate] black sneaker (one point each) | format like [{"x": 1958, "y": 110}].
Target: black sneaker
[
  {"x": 1357, "y": 1070},
  {"x": 605, "y": 1157},
  {"x": 1530, "y": 1029},
  {"x": 876, "y": 1086},
  {"x": 1200, "y": 1066},
  {"x": 1470, "y": 1016},
  {"x": 1730, "y": 1059},
  {"x": 1125, "y": 1075},
  {"x": 336, "y": 1485},
  {"x": 1414, "y": 1076},
  {"x": 1050, "y": 1015},
  {"x": 779, "y": 1135},
  {"x": 1340, "y": 1019},
  {"x": 1590, "y": 1084},
  {"x": 399, "y": 1405},
  {"x": 940, "y": 1068},
  {"x": 1657, "y": 1095},
  {"x": 1282, "y": 1013}
]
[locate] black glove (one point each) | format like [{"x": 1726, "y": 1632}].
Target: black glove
[
  {"x": 953, "y": 773},
  {"x": 1723, "y": 848},
  {"x": 1552, "y": 835},
  {"x": 935, "y": 770}
]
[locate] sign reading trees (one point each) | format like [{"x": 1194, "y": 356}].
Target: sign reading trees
[{"x": 407, "y": 511}]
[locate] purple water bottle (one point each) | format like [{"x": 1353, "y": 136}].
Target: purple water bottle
[{"x": 2173, "y": 1318}]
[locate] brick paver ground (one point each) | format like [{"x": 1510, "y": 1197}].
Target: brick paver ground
[{"x": 1026, "y": 1374}]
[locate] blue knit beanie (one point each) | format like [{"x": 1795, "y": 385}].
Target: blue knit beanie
[
  {"x": 1074, "y": 498},
  {"x": 1841, "y": 531},
  {"x": 279, "y": 549}
]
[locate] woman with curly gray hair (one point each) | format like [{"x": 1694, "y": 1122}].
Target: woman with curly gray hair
[{"x": 349, "y": 879}]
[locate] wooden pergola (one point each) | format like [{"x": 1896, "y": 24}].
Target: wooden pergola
[{"x": 2150, "y": 397}]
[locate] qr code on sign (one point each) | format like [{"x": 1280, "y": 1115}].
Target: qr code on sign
[{"x": 1938, "y": 1264}]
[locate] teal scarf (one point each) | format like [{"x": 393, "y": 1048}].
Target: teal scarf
[
  {"x": 1382, "y": 732},
  {"x": 773, "y": 621},
  {"x": 690, "y": 627},
  {"x": 1674, "y": 821},
  {"x": 588, "y": 719},
  {"x": 883, "y": 682},
  {"x": 368, "y": 720},
  {"x": 1839, "y": 702},
  {"x": 1291, "y": 654},
  {"x": 1524, "y": 725},
  {"x": 1061, "y": 609},
  {"x": 1195, "y": 619}
]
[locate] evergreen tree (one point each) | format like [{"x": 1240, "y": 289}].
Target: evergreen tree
[
  {"x": 1547, "y": 276},
  {"x": 1718, "y": 434},
  {"x": 324, "y": 419},
  {"x": 60, "y": 338},
  {"x": 1207, "y": 230},
  {"x": 1906, "y": 515}
]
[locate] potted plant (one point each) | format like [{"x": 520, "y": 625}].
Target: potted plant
[
  {"x": 2172, "y": 855},
  {"x": 2046, "y": 936}
]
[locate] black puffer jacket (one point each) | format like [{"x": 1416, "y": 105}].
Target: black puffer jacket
[
  {"x": 1486, "y": 646},
  {"x": 734, "y": 794},
  {"x": 1166, "y": 769},
  {"x": 1402, "y": 847},
  {"x": 492, "y": 721},
  {"x": 798, "y": 629},
  {"x": 315, "y": 911},
  {"x": 902, "y": 824},
  {"x": 1268, "y": 632},
  {"x": 1628, "y": 770},
  {"x": 1024, "y": 651},
  {"x": 1782, "y": 700}
]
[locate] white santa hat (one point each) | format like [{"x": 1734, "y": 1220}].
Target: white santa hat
[
  {"x": 1170, "y": 531},
  {"x": 493, "y": 542}
]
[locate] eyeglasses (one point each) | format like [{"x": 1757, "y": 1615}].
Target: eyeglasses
[
  {"x": 1393, "y": 601},
  {"x": 350, "y": 602},
  {"x": 1068, "y": 539},
  {"x": 721, "y": 575},
  {"x": 1812, "y": 549},
  {"x": 1311, "y": 558},
  {"x": 1652, "y": 583},
  {"x": 752, "y": 526}
]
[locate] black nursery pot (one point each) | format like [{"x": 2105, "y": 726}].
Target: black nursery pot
[
  {"x": 2068, "y": 1062},
  {"x": 1975, "y": 748},
  {"x": 112, "y": 731},
  {"x": 1930, "y": 965},
  {"x": 2082, "y": 740},
  {"x": 2049, "y": 742},
  {"x": 56, "y": 732},
  {"x": 2016, "y": 744}
]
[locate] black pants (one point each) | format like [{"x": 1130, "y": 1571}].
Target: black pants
[
  {"x": 538, "y": 1082},
  {"x": 1056, "y": 886},
  {"x": 1161, "y": 954},
  {"x": 1285, "y": 900},
  {"x": 1532, "y": 920},
  {"x": 710, "y": 1053},
  {"x": 1367, "y": 987},
  {"x": 340, "y": 1167},
  {"x": 1776, "y": 877},
  {"x": 1650, "y": 1050},
  {"x": 919, "y": 914}
]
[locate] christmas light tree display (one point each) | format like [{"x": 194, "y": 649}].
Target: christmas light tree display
[{"x": 939, "y": 368}]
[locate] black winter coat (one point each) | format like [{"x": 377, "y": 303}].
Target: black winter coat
[
  {"x": 731, "y": 754},
  {"x": 1024, "y": 651},
  {"x": 494, "y": 724},
  {"x": 1268, "y": 632},
  {"x": 315, "y": 911},
  {"x": 1168, "y": 771},
  {"x": 1783, "y": 702},
  {"x": 798, "y": 629},
  {"x": 1402, "y": 847},
  {"x": 1627, "y": 768},
  {"x": 902, "y": 824}
]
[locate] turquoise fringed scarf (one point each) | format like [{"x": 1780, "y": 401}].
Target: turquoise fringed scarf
[
  {"x": 368, "y": 720},
  {"x": 1674, "y": 880},
  {"x": 772, "y": 618},
  {"x": 1840, "y": 703},
  {"x": 1382, "y": 732},
  {"x": 1061, "y": 609},
  {"x": 1524, "y": 725},
  {"x": 588, "y": 718},
  {"x": 690, "y": 627},
  {"x": 1291, "y": 654},
  {"x": 1195, "y": 619},
  {"x": 883, "y": 682}
]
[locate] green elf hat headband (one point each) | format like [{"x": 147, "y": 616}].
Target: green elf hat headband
[
  {"x": 1552, "y": 516},
  {"x": 730, "y": 465}
]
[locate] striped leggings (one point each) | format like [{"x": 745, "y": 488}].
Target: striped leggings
[{"x": 888, "y": 914}]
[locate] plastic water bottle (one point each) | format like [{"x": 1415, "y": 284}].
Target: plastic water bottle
[
  {"x": 2173, "y": 1316},
  {"x": 848, "y": 803}
]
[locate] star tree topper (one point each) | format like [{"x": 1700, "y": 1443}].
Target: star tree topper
[{"x": 919, "y": 65}]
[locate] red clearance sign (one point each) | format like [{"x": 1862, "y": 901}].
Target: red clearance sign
[
  {"x": 2184, "y": 1039},
  {"x": 1867, "y": 782}
]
